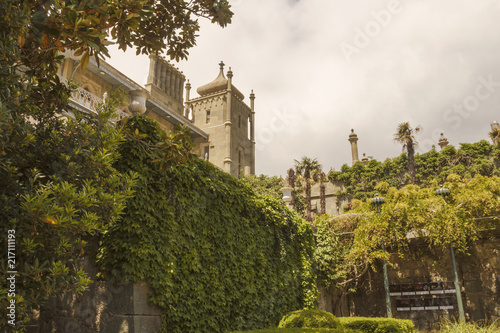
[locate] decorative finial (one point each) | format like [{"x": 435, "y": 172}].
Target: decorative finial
[
  {"x": 221, "y": 64},
  {"x": 442, "y": 142},
  {"x": 352, "y": 130}
]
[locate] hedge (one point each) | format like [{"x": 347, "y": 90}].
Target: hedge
[
  {"x": 378, "y": 325},
  {"x": 309, "y": 319},
  {"x": 304, "y": 330}
]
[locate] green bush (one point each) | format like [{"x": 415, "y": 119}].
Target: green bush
[
  {"x": 304, "y": 330},
  {"x": 451, "y": 327},
  {"x": 309, "y": 319},
  {"x": 378, "y": 325}
]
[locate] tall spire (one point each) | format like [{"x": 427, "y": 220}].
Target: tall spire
[{"x": 353, "y": 139}]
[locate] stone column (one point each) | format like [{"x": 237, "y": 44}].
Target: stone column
[
  {"x": 252, "y": 132},
  {"x": 170, "y": 84},
  {"x": 153, "y": 61},
  {"x": 227, "y": 123},
  {"x": 168, "y": 77},
  {"x": 158, "y": 73},
  {"x": 176, "y": 87},
  {"x": 353, "y": 139},
  {"x": 186, "y": 104}
]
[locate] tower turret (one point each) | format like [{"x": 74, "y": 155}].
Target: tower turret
[
  {"x": 353, "y": 139},
  {"x": 229, "y": 122}
]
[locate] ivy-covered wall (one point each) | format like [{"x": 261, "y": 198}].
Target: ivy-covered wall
[
  {"x": 218, "y": 257},
  {"x": 468, "y": 160}
]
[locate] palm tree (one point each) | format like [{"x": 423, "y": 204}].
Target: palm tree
[
  {"x": 322, "y": 192},
  {"x": 495, "y": 135},
  {"x": 406, "y": 136},
  {"x": 309, "y": 171}
]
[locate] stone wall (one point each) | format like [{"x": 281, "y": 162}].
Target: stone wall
[
  {"x": 479, "y": 277},
  {"x": 104, "y": 308}
]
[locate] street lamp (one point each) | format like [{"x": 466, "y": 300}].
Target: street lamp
[
  {"x": 287, "y": 195},
  {"x": 445, "y": 192},
  {"x": 378, "y": 201}
]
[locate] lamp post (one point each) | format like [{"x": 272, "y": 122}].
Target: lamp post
[
  {"x": 444, "y": 192},
  {"x": 378, "y": 201},
  {"x": 287, "y": 195}
]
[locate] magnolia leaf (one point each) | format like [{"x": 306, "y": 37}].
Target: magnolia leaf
[
  {"x": 85, "y": 60},
  {"x": 45, "y": 40},
  {"x": 21, "y": 40}
]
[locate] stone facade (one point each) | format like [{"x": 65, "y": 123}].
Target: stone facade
[
  {"x": 221, "y": 123},
  {"x": 229, "y": 123},
  {"x": 334, "y": 204},
  {"x": 104, "y": 308}
]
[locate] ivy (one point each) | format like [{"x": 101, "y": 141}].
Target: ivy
[
  {"x": 219, "y": 257},
  {"x": 359, "y": 180}
]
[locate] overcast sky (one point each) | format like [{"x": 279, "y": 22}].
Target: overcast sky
[{"x": 321, "y": 67}]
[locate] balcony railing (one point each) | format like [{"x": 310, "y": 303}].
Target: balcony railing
[{"x": 84, "y": 100}]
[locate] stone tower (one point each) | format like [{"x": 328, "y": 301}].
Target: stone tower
[
  {"x": 353, "y": 139},
  {"x": 229, "y": 122},
  {"x": 165, "y": 83}
]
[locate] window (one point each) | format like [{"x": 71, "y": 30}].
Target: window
[
  {"x": 249, "y": 127},
  {"x": 208, "y": 117},
  {"x": 239, "y": 163},
  {"x": 206, "y": 152}
]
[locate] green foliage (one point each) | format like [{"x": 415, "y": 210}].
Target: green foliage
[
  {"x": 309, "y": 319},
  {"x": 304, "y": 330},
  {"x": 378, "y": 325},
  {"x": 342, "y": 258},
  {"x": 265, "y": 185},
  {"x": 308, "y": 172},
  {"x": 218, "y": 256},
  {"x": 455, "y": 220},
  {"x": 334, "y": 244},
  {"x": 479, "y": 158},
  {"x": 405, "y": 135},
  {"x": 453, "y": 327},
  {"x": 88, "y": 26},
  {"x": 59, "y": 191},
  {"x": 58, "y": 186}
]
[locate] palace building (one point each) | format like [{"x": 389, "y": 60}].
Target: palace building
[{"x": 221, "y": 124}]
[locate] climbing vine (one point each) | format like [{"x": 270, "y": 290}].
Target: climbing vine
[
  {"x": 359, "y": 180},
  {"x": 219, "y": 257},
  {"x": 345, "y": 243}
]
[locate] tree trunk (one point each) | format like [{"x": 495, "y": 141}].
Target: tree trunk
[
  {"x": 411, "y": 161},
  {"x": 308, "y": 200},
  {"x": 322, "y": 195},
  {"x": 291, "y": 182}
]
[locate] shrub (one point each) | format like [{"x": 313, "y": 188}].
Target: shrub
[
  {"x": 309, "y": 319},
  {"x": 450, "y": 327},
  {"x": 304, "y": 330},
  {"x": 378, "y": 325}
]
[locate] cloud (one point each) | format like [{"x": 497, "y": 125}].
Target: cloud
[{"x": 420, "y": 62}]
